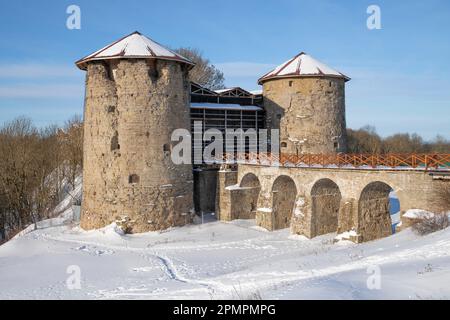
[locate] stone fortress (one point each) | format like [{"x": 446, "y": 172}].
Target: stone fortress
[{"x": 138, "y": 93}]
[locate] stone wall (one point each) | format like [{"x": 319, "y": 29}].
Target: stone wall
[
  {"x": 224, "y": 209},
  {"x": 330, "y": 200},
  {"x": 131, "y": 108},
  {"x": 374, "y": 220},
  {"x": 310, "y": 113},
  {"x": 284, "y": 193},
  {"x": 326, "y": 201}
]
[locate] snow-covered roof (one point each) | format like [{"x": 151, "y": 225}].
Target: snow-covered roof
[
  {"x": 223, "y": 106},
  {"x": 256, "y": 92},
  {"x": 234, "y": 91},
  {"x": 222, "y": 90},
  {"x": 134, "y": 45},
  {"x": 302, "y": 65}
]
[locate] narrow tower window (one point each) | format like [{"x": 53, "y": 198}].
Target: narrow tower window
[
  {"x": 134, "y": 178},
  {"x": 115, "y": 142},
  {"x": 152, "y": 70},
  {"x": 166, "y": 148},
  {"x": 109, "y": 71}
]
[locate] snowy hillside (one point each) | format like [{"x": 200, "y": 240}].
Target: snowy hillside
[{"x": 219, "y": 260}]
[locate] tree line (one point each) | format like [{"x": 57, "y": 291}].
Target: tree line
[
  {"x": 35, "y": 163},
  {"x": 366, "y": 140}
]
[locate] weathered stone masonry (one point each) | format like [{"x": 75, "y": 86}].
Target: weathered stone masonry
[
  {"x": 137, "y": 94},
  {"x": 132, "y": 107},
  {"x": 310, "y": 113},
  {"x": 327, "y": 200}
]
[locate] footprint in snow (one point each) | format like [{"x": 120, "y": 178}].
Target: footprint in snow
[{"x": 94, "y": 250}]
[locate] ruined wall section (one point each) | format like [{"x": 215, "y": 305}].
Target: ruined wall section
[
  {"x": 140, "y": 184},
  {"x": 310, "y": 113}
]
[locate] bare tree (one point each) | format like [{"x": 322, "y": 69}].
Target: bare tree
[
  {"x": 364, "y": 140},
  {"x": 204, "y": 73},
  {"x": 72, "y": 137},
  {"x": 404, "y": 143},
  {"x": 440, "y": 145},
  {"x": 33, "y": 164}
]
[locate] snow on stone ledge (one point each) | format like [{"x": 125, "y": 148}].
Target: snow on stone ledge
[
  {"x": 418, "y": 214},
  {"x": 346, "y": 235},
  {"x": 237, "y": 187}
]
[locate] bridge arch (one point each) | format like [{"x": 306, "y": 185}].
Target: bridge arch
[
  {"x": 284, "y": 193},
  {"x": 252, "y": 187},
  {"x": 374, "y": 218},
  {"x": 326, "y": 200}
]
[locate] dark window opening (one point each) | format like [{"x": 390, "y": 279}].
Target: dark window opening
[
  {"x": 336, "y": 145},
  {"x": 290, "y": 83},
  {"x": 115, "y": 142},
  {"x": 153, "y": 71},
  {"x": 111, "y": 109},
  {"x": 166, "y": 148},
  {"x": 109, "y": 72},
  {"x": 134, "y": 178},
  {"x": 284, "y": 145}
]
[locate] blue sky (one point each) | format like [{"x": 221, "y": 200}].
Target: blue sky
[{"x": 400, "y": 74}]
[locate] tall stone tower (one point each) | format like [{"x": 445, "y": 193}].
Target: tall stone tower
[
  {"x": 137, "y": 93},
  {"x": 305, "y": 99}
]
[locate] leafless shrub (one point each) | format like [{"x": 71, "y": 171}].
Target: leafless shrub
[
  {"x": 431, "y": 224},
  {"x": 238, "y": 294}
]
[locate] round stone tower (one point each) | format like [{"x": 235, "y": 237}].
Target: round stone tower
[
  {"x": 305, "y": 99},
  {"x": 137, "y": 93}
]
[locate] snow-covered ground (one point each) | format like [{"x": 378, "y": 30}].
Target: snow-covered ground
[{"x": 219, "y": 260}]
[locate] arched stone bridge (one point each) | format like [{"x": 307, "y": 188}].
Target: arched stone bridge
[{"x": 316, "y": 201}]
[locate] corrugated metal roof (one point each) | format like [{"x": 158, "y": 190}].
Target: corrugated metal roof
[
  {"x": 134, "y": 45},
  {"x": 302, "y": 65}
]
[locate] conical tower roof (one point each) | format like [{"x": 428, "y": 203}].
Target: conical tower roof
[
  {"x": 302, "y": 65},
  {"x": 134, "y": 45}
]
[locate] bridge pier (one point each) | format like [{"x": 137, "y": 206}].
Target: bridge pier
[
  {"x": 301, "y": 220},
  {"x": 348, "y": 214},
  {"x": 224, "y": 202},
  {"x": 264, "y": 211}
]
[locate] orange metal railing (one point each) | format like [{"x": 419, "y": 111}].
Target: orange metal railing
[{"x": 376, "y": 161}]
